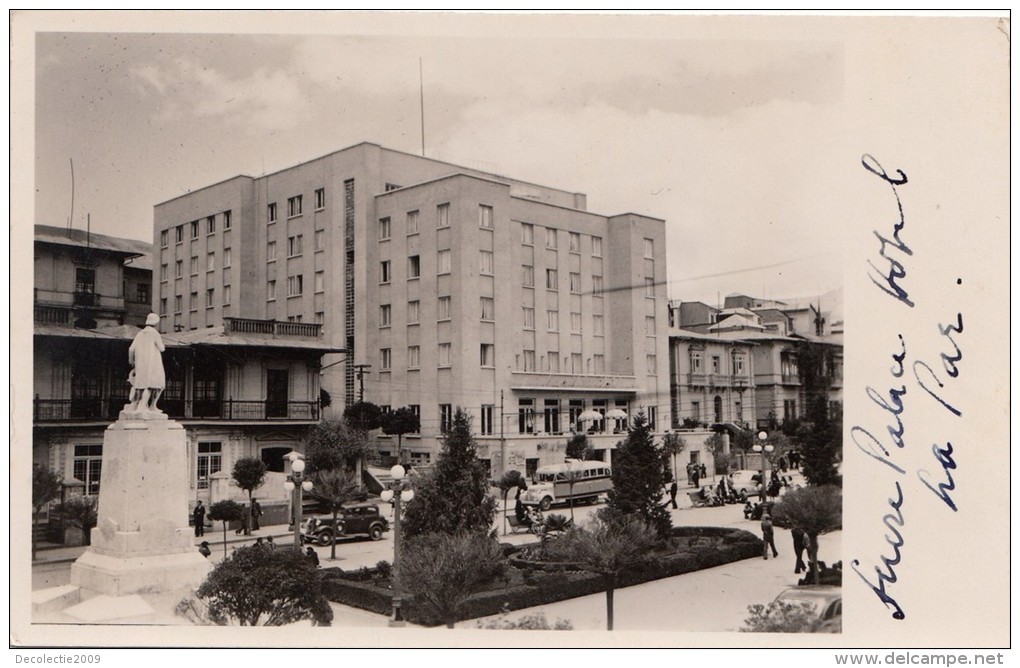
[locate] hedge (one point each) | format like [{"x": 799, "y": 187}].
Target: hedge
[{"x": 546, "y": 582}]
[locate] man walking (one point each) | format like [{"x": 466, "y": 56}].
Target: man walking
[
  {"x": 198, "y": 516},
  {"x": 256, "y": 513},
  {"x": 768, "y": 536},
  {"x": 799, "y": 545},
  {"x": 672, "y": 494}
]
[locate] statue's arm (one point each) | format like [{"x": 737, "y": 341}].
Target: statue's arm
[{"x": 159, "y": 343}]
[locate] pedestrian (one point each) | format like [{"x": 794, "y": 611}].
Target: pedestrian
[
  {"x": 270, "y": 544},
  {"x": 703, "y": 471},
  {"x": 696, "y": 475},
  {"x": 259, "y": 542},
  {"x": 245, "y": 527},
  {"x": 312, "y": 555},
  {"x": 198, "y": 516},
  {"x": 799, "y": 544},
  {"x": 203, "y": 548},
  {"x": 768, "y": 536},
  {"x": 256, "y": 513},
  {"x": 672, "y": 494}
]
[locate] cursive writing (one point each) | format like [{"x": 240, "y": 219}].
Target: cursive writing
[{"x": 889, "y": 281}]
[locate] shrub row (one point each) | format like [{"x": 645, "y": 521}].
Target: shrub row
[{"x": 541, "y": 588}]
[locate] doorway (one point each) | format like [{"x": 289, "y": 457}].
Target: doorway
[{"x": 277, "y": 392}]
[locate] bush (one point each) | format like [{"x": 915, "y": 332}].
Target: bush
[
  {"x": 534, "y": 622},
  {"x": 82, "y": 512},
  {"x": 782, "y": 617}
]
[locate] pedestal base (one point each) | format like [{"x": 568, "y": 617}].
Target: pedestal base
[{"x": 122, "y": 576}]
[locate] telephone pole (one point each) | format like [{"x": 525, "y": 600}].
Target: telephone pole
[{"x": 361, "y": 370}]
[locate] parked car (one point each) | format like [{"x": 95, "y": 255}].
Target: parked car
[
  {"x": 743, "y": 483},
  {"x": 360, "y": 519},
  {"x": 826, "y": 600}
]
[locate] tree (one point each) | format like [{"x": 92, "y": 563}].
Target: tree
[
  {"x": 672, "y": 445},
  {"x": 572, "y": 476},
  {"x": 46, "y": 486},
  {"x": 399, "y": 422},
  {"x": 610, "y": 544},
  {"x": 334, "y": 488},
  {"x": 454, "y": 494},
  {"x": 441, "y": 571},
  {"x": 256, "y": 585},
  {"x": 363, "y": 415},
  {"x": 249, "y": 474},
  {"x": 335, "y": 444},
  {"x": 637, "y": 478},
  {"x": 782, "y": 617},
  {"x": 820, "y": 438},
  {"x": 511, "y": 479},
  {"x": 225, "y": 511},
  {"x": 816, "y": 510},
  {"x": 578, "y": 448},
  {"x": 82, "y": 512}
]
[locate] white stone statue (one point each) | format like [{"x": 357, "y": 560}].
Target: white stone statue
[{"x": 147, "y": 377}]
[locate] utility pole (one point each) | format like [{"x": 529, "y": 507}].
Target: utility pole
[
  {"x": 502, "y": 439},
  {"x": 361, "y": 370}
]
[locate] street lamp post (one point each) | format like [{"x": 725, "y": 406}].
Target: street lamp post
[
  {"x": 296, "y": 484},
  {"x": 764, "y": 449},
  {"x": 397, "y": 491}
]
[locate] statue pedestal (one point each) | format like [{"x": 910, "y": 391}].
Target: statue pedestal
[{"x": 139, "y": 545}]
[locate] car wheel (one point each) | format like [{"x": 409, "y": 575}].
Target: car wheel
[
  {"x": 375, "y": 532},
  {"x": 545, "y": 504},
  {"x": 325, "y": 538}
]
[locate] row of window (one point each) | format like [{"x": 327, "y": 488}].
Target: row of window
[
  {"x": 552, "y": 413},
  {"x": 487, "y": 356},
  {"x": 195, "y": 229},
  {"x": 716, "y": 361},
  {"x": 210, "y": 265},
  {"x": 296, "y": 285},
  {"x": 295, "y": 245},
  {"x": 295, "y": 205},
  {"x": 210, "y": 300}
]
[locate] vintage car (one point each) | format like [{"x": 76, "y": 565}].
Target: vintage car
[
  {"x": 359, "y": 519},
  {"x": 825, "y": 600}
]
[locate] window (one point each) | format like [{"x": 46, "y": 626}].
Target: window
[
  {"x": 320, "y": 240},
  {"x": 526, "y": 416},
  {"x": 226, "y": 220},
  {"x": 226, "y": 257},
  {"x": 598, "y": 325},
  {"x": 652, "y": 416},
  {"x": 551, "y": 279},
  {"x": 576, "y": 408},
  {"x": 194, "y": 265},
  {"x": 488, "y": 354},
  {"x": 488, "y": 308},
  {"x": 271, "y": 212},
  {"x": 552, "y": 321},
  {"x": 177, "y": 304},
  {"x": 650, "y": 326},
  {"x": 226, "y": 295},
  {"x": 320, "y": 317},
  {"x": 320, "y": 281},
  {"x": 550, "y": 237},
  {"x": 789, "y": 409},
  {"x": 551, "y": 413},
  {"x": 412, "y": 222},
  {"x": 162, "y": 306},
  {"x": 649, "y": 248},
  {"x": 295, "y": 285},
  {"x": 649, "y": 287},
  {"x": 528, "y": 276},
  {"x": 529, "y": 360},
  {"x": 596, "y": 246},
  {"x": 384, "y": 315},
  {"x": 443, "y": 213},
  {"x": 384, "y": 228},
  {"x": 164, "y": 237},
  {"x": 485, "y": 262},
  {"x": 443, "y": 262},
  {"x": 575, "y": 323},
  {"x": 385, "y": 359},
  {"x": 575, "y": 363},
  {"x": 294, "y": 206},
  {"x": 294, "y": 245},
  {"x": 445, "y": 417},
  {"x": 194, "y": 229},
  {"x": 596, "y": 285},
  {"x": 715, "y": 363},
  {"x": 485, "y": 216},
  {"x": 210, "y": 225},
  {"x": 179, "y": 268},
  {"x": 553, "y": 361},
  {"x": 162, "y": 272},
  {"x": 652, "y": 364},
  {"x": 416, "y": 409},
  {"x": 320, "y": 199},
  {"x": 527, "y": 234},
  {"x": 444, "y": 354},
  {"x": 294, "y": 318},
  {"x": 88, "y": 465},
  {"x": 575, "y": 242},
  {"x": 413, "y": 357},
  {"x": 529, "y": 318},
  {"x": 487, "y": 412},
  {"x": 179, "y": 234},
  {"x": 443, "y": 306},
  {"x": 271, "y": 251},
  {"x": 696, "y": 410},
  {"x": 210, "y": 261},
  {"x": 413, "y": 266},
  {"x": 695, "y": 362},
  {"x": 209, "y": 297},
  {"x": 413, "y": 312},
  {"x": 738, "y": 365},
  {"x": 193, "y": 302},
  {"x": 270, "y": 290},
  {"x": 384, "y": 271},
  {"x": 598, "y": 364},
  {"x": 575, "y": 283}
]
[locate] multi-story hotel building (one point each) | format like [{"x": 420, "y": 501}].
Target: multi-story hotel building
[{"x": 458, "y": 287}]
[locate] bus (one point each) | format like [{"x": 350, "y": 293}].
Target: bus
[{"x": 552, "y": 484}]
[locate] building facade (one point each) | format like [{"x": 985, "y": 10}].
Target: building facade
[
  {"x": 459, "y": 288},
  {"x": 712, "y": 380}
]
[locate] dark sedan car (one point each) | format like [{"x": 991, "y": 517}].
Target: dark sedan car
[{"x": 360, "y": 519}]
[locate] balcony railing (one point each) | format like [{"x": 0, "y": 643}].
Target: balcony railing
[
  {"x": 271, "y": 327},
  {"x": 717, "y": 380},
  {"x": 108, "y": 409},
  {"x": 53, "y": 315}
]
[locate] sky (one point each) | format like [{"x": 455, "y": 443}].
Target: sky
[{"x": 727, "y": 137}]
